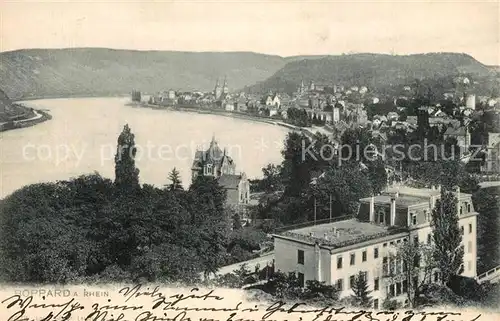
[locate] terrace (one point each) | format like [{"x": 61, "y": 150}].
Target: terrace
[
  {"x": 340, "y": 234},
  {"x": 401, "y": 200}
]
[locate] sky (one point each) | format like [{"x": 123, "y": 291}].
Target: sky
[{"x": 285, "y": 28}]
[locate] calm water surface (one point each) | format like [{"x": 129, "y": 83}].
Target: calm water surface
[{"x": 82, "y": 136}]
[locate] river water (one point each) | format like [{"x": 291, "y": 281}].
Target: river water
[{"x": 82, "y": 137}]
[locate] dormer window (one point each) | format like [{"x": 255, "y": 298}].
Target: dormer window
[{"x": 209, "y": 169}]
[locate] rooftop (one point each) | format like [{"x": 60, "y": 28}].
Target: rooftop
[
  {"x": 408, "y": 196},
  {"x": 341, "y": 233}
]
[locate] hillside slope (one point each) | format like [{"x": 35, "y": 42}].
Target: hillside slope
[
  {"x": 5, "y": 102},
  {"x": 372, "y": 70},
  {"x": 8, "y": 109},
  {"x": 98, "y": 71}
]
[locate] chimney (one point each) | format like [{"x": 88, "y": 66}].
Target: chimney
[
  {"x": 372, "y": 209},
  {"x": 393, "y": 211}
]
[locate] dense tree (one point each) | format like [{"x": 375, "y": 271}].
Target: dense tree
[
  {"x": 272, "y": 180},
  {"x": 87, "y": 228},
  {"x": 446, "y": 173},
  {"x": 415, "y": 263},
  {"x": 448, "y": 251},
  {"x": 487, "y": 204},
  {"x": 126, "y": 174},
  {"x": 296, "y": 169},
  {"x": 377, "y": 175},
  {"x": 209, "y": 214},
  {"x": 175, "y": 180},
  {"x": 361, "y": 294},
  {"x": 298, "y": 117},
  {"x": 344, "y": 186},
  {"x": 236, "y": 222},
  {"x": 382, "y": 108},
  {"x": 356, "y": 145}
]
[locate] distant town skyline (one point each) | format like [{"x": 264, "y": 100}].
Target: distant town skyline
[{"x": 280, "y": 28}]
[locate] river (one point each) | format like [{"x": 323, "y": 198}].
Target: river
[{"x": 82, "y": 136}]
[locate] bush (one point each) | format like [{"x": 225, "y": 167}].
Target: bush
[
  {"x": 437, "y": 294},
  {"x": 391, "y": 305},
  {"x": 467, "y": 288}
]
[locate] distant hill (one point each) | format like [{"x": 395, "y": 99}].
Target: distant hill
[
  {"x": 98, "y": 71},
  {"x": 32, "y": 73},
  {"x": 372, "y": 70}
]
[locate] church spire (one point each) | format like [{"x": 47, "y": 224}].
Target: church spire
[{"x": 225, "y": 89}]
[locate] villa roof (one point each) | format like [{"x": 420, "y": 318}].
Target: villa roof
[
  {"x": 340, "y": 234},
  {"x": 213, "y": 155}
]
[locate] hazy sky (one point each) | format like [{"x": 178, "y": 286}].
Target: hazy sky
[{"x": 276, "y": 27}]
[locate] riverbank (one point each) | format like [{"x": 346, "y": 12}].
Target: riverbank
[
  {"x": 40, "y": 117},
  {"x": 104, "y": 95},
  {"x": 233, "y": 114}
]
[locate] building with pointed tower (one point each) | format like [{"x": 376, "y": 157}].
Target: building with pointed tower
[
  {"x": 302, "y": 89},
  {"x": 312, "y": 87},
  {"x": 217, "y": 163},
  {"x": 225, "y": 88},
  {"x": 217, "y": 90}
]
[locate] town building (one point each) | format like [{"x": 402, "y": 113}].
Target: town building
[
  {"x": 492, "y": 159},
  {"x": 335, "y": 114},
  {"x": 220, "y": 92},
  {"x": 302, "y": 89},
  {"x": 217, "y": 163},
  {"x": 461, "y": 134},
  {"x": 336, "y": 252},
  {"x": 212, "y": 162},
  {"x": 272, "y": 100},
  {"x": 470, "y": 101}
]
